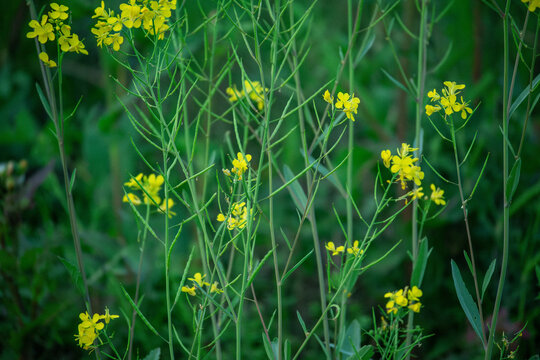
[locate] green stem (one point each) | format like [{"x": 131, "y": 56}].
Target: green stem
[
  {"x": 506, "y": 206},
  {"x": 139, "y": 269}
]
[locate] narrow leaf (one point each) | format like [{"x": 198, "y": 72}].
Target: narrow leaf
[
  {"x": 466, "y": 301},
  {"x": 153, "y": 355},
  {"x": 397, "y": 83},
  {"x": 421, "y": 262},
  {"x": 523, "y": 95},
  {"x": 44, "y": 101},
  {"x": 72, "y": 181},
  {"x": 74, "y": 273},
  {"x": 143, "y": 318},
  {"x": 299, "y": 197},
  {"x": 487, "y": 278},
  {"x": 513, "y": 181},
  {"x": 296, "y": 266}
]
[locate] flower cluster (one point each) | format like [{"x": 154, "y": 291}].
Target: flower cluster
[
  {"x": 448, "y": 100},
  {"x": 404, "y": 298},
  {"x": 149, "y": 185},
  {"x": 52, "y": 27},
  {"x": 198, "y": 283},
  {"x": 353, "y": 250},
  {"x": 533, "y": 4},
  {"x": 346, "y": 103},
  {"x": 237, "y": 218},
  {"x": 240, "y": 166},
  {"x": 152, "y": 16},
  {"x": 403, "y": 164},
  {"x": 90, "y": 326},
  {"x": 252, "y": 89}
]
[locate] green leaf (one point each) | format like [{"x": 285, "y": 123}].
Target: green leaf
[
  {"x": 466, "y": 301},
  {"x": 296, "y": 266},
  {"x": 366, "y": 352},
  {"x": 513, "y": 181},
  {"x": 352, "y": 341},
  {"x": 421, "y": 262},
  {"x": 74, "y": 273},
  {"x": 153, "y": 355},
  {"x": 143, "y": 318},
  {"x": 487, "y": 278},
  {"x": 268, "y": 348},
  {"x": 44, "y": 101},
  {"x": 523, "y": 95},
  {"x": 72, "y": 181},
  {"x": 397, "y": 83}
]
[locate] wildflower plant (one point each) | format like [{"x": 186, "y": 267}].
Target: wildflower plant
[{"x": 219, "y": 232}]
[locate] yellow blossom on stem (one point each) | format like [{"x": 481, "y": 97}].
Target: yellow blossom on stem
[
  {"x": 43, "y": 56},
  {"x": 432, "y": 109},
  {"x": 240, "y": 164},
  {"x": 386, "y": 156},
  {"x": 330, "y": 246},
  {"x": 396, "y": 299},
  {"x": 416, "y": 193},
  {"x": 190, "y": 290},
  {"x": 108, "y": 317},
  {"x": 437, "y": 195},
  {"x": 58, "y": 12},
  {"x": 215, "y": 289},
  {"x": 328, "y": 98},
  {"x": 355, "y": 250},
  {"x": 198, "y": 279},
  {"x": 44, "y": 31},
  {"x": 132, "y": 198},
  {"x": 533, "y": 4},
  {"x": 167, "y": 206}
]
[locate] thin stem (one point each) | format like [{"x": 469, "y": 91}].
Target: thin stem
[
  {"x": 139, "y": 269},
  {"x": 422, "y": 44},
  {"x": 506, "y": 206},
  {"x": 467, "y": 228}
]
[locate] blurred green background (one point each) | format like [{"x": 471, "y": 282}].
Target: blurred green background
[{"x": 39, "y": 304}]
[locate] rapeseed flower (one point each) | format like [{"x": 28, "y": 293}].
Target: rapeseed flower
[
  {"x": 330, "y": 246},
  {"x": 198, "y": 280},
  {"x": 44, "y": 31},
  {"x": 240, "y": 166},
  {"x": 238, "y": 217},
  {"x": 108, "y": 317},
  {"x": 89, "y": 328},
  {"x": 355, "y": 250},
  {"x": 43, "y": 56},
  {"x": 437, "y": 195},
  {"x": 414, "y": 295},
  {"x": 215, "y": 289},
  {"x": 167, "y": 206},
  {"x": 416, "y": 193},
  {"x": 190, "y": 290},
  {"x": 348, "y": 103},
  {"x": 252, "y": 89},
  {"x": 448, "y": 100},
  {"x": 386, "y": 156},
  {"x": 396, "y": 300},
  {"x": 328, "y": 98},
  {"x": 58, "y": 12},
  {"x": 533, "y": 4}
]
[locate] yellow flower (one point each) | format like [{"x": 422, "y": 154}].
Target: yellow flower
[
  {"x": 132, "y": 198},
  {"x": 414, "y": 294},
  {"x": 43, "y": 56},
  {"x": 108, "y": 317},
  {"x": 432, "y": 109},
  {"x": 134, "y": 182},
  {"x": 238, "y": 218},
  {"x": 189, "y": 290},
  {"x": 44, "y": 30},
  {"x": 452, "y": 88},
  {"x": 234, "y": 94},
  {"x": 58, "y": 12},
  {"x": 167, "y": 206},
  {"x": 386, "y": 155},
  {"x": 198, "y": 279},
  {"x": 131, "y": 15},
  {"x": 415, "y": 306},
  {"x": 348, "y": 103},
  {"x": 240, "y": 165},
  {"x": 416, "y": 193},
  {"x": 335, "y": 250},
  {"x": 255, "y": 92},
  {"x": 397, "y": 299},
  {"x": 433, "y": 95},
  {"x": 115, "y": 22},
  {"x": 215, "y": 289},
  {"x": 533, "y": 4},
  {"x": 437, "y": 195},
  {"x": 355, "y": 250},
  {"x": 328, "y": 98},
  {"x": 463, "y": 108}
]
